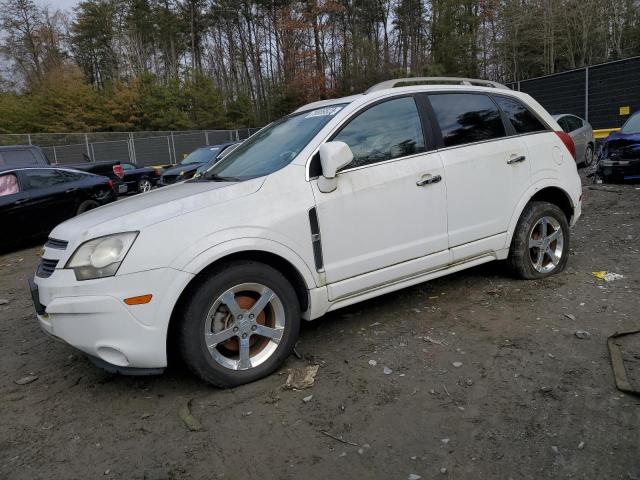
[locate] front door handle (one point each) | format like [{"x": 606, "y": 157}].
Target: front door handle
[
  {"x": 428, "y": 180},
  {"x": 513, "y": 160}
]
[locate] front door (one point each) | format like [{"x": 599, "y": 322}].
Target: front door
[{"x": 387, "y": 217}]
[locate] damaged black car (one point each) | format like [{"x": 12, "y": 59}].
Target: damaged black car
[{"x": 619, "y": 158}]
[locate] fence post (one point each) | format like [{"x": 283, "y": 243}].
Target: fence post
[
  {"x": 132, "y": 149},
  {"x": 93, "y": 153},
  {"x": 55, "y": 155},
  {"x": 173, "y": 143},
  {"x": 586, "y": 94},
  {"x": 29, "y": 138},
  {"x": 206, "y": 137},
  {"x": 518, "y": 85},
  {"x": 169, "y": 149},
  {"x": 86, "y": 142}
]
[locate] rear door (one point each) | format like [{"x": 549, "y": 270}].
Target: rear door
[
  {"x": 486, "y": 171},
  {"x": 51, "y": 198}
]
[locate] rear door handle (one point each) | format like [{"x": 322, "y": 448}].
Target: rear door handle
[
  {"x": 519, "y": 159},
  {"x": 428, "y": 180}
]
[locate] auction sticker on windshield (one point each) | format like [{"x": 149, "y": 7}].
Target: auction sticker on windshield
[{"x": 323, "y": 112}]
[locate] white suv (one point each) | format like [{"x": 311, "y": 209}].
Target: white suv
[{"x": 341, "y": 201}]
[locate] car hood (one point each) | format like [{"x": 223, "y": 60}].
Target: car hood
[
  {"x": 621, "y": 145},
  {"x": 136, "y": 213},
  {"x": 182, "y": 168}
]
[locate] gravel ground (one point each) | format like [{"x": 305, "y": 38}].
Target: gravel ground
[{"x": 472, "y": 376}]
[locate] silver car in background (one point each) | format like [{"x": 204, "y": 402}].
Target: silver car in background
[{"x": 582, "y": 134}]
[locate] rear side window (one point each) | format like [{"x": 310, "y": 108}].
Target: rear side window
[
  {"x": 36, "y": 178},
  {"x": 383, "y": 132},
  {"x": 17, "y": 158},
  {"x": 521, "y": 118},
  {"x": 466, "y": 118},
  {"x": 574, "y": 123}
]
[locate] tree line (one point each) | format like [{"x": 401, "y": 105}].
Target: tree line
[{"x": 195, "y": 64}]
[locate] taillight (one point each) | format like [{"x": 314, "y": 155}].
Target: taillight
[
  {"x": 568, "y": 142},
  {"x": 117, "y": 169},
  {"x": 110, "y": 183}
]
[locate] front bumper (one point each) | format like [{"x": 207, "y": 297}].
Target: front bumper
[
  {"x": 92, "y": 316},
  {"x": 619, "y": 170}
]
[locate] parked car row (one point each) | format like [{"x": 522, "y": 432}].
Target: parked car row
[{"x": 619, "y": 157}]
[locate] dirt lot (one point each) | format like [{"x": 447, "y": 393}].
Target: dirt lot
[{"x": 530, "y": 400}]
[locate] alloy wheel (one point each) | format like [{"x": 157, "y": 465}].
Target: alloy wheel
[
  {"x": 144, "y": 186},
  {"x": 244, "y": 326},
  {"x": 546, "y": 242}
]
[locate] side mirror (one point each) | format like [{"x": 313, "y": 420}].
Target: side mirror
[{"x": 333, "y": 156}]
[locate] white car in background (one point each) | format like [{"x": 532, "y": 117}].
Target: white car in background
[
  {"x": 339, "y": 202},
  {"x": 582, "y": 135}
]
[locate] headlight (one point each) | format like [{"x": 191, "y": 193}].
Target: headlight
[{"x": 102, "y": 256}]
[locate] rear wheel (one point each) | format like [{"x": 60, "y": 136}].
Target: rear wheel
[
  {"x": 144, "y": 185},
  {"x": 240, "y": 324},
  {"x": 540, "y": 244},
  {"x": 86, "y": 206},
  {"x": 588, "y": 156}
]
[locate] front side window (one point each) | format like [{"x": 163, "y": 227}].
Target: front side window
[
  {"x": 632, "y": 125},
  {"x": 466, "y": 118},
  {"x": 8, "y": 184},
  {"x": 273, "y": 147},
  {"x": 383, "y": 132},
  {"x": 36, "y": 178},
  {"x": 521, "y": 118}
]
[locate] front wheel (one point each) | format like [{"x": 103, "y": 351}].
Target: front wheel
[
  {"x": 240, "y": 324},
  {"x": 540, "y": 244}
]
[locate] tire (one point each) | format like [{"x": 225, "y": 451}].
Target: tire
[
  {"x": 588, "y": 156},
  {"x": 524, "y": 255},
  {"x": 144, "y": 185},
  {"x": 207, "y": 315},
  {"x": 86, "y": 206}
]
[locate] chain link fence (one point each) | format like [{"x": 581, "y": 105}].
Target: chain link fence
[{"x": 139, "y": 148}]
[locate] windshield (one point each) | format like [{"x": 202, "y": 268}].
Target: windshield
[
  {"x": 632, "y": 125},
  {"x": 273, "y": 147},
  {"x": 200, "y": 155}
]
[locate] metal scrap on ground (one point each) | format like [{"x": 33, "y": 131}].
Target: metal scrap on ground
[
  {"x": 301, "y": 378},
  {"x": 625, "y": 360}
]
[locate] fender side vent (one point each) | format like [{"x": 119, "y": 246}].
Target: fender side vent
[{"x": 315, "y": 238}]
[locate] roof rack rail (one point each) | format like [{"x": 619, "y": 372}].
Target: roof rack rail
[{"x": 435, "y": 81}]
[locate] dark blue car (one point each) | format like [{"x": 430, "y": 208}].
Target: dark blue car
[
  {"x": 188, "y": 167},
  {"x": 619, "y": 158}
]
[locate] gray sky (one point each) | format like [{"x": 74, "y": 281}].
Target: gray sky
[{"x": 62, "y": 4}]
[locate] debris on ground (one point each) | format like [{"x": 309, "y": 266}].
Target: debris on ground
[
  {"x": 307, "y": 399},
  {"x": 373, "y": 363},
  {"x": 582, "y": 334},
  {"x": 414, "y": 476},
  {"x": 189, "y": 420},
  {"x": 624, "y": 350},
  {"x": 301, "y": 378},
  {"x": 387, "y": 371},
  {"x": 457, "y": 364},
  {"x": 26, "y": 380},
  {"x": 4, "y": 301},
  {"x": 570, "y": 316},
  {"x": 436, "y": 342},
  {"x": 340, "y": 439},
  {"x": 607, "y": 276}
]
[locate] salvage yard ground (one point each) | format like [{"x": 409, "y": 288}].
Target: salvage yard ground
[{"x": 473, "y": 376}]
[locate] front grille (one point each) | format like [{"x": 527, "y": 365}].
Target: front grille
[
  {"x": 55, "y": 243},
  {"x": 46, "y": 268}
]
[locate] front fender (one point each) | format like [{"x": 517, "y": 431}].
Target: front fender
[{"x": 200, "y": 256}]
